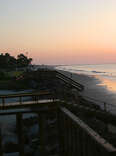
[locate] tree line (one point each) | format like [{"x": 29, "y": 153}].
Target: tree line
[{"x": 10, "y": 62}]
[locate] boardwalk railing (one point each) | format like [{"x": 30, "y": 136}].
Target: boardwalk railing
[
  {"x": 77, "y": 138},
  {"x": 74, "y": 136},
  {"x": 24, "y": 99},
  {"x": 42, "y": 115},
  {"x": 70, "y": 81},
  {"x": 107, "y": 107}
]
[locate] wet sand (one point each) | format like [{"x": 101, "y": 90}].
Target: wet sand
[{"x": 95, "y": 87}]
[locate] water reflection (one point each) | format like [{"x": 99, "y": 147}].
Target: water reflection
[{"x": 109, "y": 84}]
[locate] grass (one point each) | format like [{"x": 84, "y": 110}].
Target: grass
[
  {"x": 7, "y": 81},
  {"x": 9, "y": 75},
  {"x": 15, "y": 73}
]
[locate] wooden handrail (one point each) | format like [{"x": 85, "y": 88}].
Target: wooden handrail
[
  {"x": 25, "y": 94},
  {"x": 67, "y": 79},
  {"x": 76, "y": 137},
  {"x": 41, "y": 116},
  {"x": 5, "y": 104},
  {"x": 89, "y": 140}
]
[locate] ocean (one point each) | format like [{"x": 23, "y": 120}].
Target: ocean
[{"x": 105, "y": 70}]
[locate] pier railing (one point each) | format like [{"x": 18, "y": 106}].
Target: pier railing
[
  {"x": 70, "y": 81},
  {"x": 74, "y": 138},
  {"x": 24, "y": 99},
  {"x": 105, "y": 106},
  {"x": 42, "y": 115},
  {"x": 77, "y": 138}
]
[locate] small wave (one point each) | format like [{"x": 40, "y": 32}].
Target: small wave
[
  {"x": 77, "y": 70},
  {"x": 98, "y": 72},
  {"x": 80, "y": 70}
]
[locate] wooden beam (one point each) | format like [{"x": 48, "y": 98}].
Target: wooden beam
[
  {"x": 1, "y": 148},
  {"x": 41, "y": 123},
  {"x": 86, "y": 130},
  {"x": 19, "y": 128},
  {"x": 30, "y": 104}
]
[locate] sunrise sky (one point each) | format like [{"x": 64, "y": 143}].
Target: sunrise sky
[{"x": 59, "y": 31}]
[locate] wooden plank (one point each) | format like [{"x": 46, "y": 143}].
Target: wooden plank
[
  {"x": 3, "y": 102},
  {"x": 66, "y": 141},
  {"x": 80, "y": 141},
  {"x": 104, "y": 116},
  {"x": 19, "y": 128},
  {"x": 26, "y": 94},
  {"x": 70, "y": 79},
  {"x": 1, "y": 148},
  {"x": 20, "y": 100},
  {"x": 41, "y": 123},
  {"x": 70, "y": 138},
  {"x": 29, "y": 104},
  {"x": 44, "y": 111},
  {"x": 60, "y": 133},
  {"x": 67, "y": 82},
  {"x": 73, "y": 139},
  {"x": 95, "y": 136}
]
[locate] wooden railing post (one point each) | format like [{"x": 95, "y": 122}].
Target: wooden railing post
[
  {"x": 1, "y": 149},
  {"x": 37, "y": 98},
  {"x": 111, "y": 154},
  {"x": 3, "y": 102},
  {"x": 19, "y": 126},
  {"x": 69, "y": 134},
  {"x": 41, "y": 123},
  {"x": 20, "y": 99},
  {"x": 53, "y": 96},
  {"x": 60, "y": 133},
  {"x": 105, "y": 107},
  {"x": 87, "y": 141}
]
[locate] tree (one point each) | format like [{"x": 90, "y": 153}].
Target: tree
[
  {"x": 23, "y": 61},
  {"x": 9, "y": 62}
]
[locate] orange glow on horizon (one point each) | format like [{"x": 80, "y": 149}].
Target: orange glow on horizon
[{"x": 60, "y": 32}]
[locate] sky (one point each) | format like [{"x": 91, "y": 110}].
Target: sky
[{"x": 59, "y": 31}]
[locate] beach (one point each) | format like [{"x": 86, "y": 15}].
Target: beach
[{"x": 95, "y": 88}]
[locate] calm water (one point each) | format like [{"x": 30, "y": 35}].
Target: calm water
[{"x": 105, "y": 72}]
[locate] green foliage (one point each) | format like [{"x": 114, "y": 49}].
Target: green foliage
[
  {"x": 2, "y": 75},
  {"x": 15, "y": 73},
  {"x": 9, "y": 75}
]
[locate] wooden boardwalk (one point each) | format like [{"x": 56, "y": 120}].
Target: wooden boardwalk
[
  {"x": 69, "y": 81},
  {"x": 25, "y": 100},
  {"x": 36, "y": 99},
  {"x": 75, "y": 137}
]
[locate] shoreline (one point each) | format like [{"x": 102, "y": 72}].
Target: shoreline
[{"x": 94, "y": 87}]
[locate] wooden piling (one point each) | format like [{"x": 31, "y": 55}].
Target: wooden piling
[
  {"x": 19, "y": 127},
  {"x": 41, "y": 123},
  {"x": 1, "y": 148}
]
